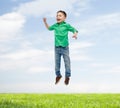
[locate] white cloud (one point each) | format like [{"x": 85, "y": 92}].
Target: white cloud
[
  {"x": 10, "y": 25},
  {"x": 27, "y": 60},
  {"x": 81, "y": 6},
  {"x": 39, "y": 69},
  {"x": 116, "y": 69},
  {"x": 26, "y": 54},
  {"x": 104, "y": 68},
  {"x": 99, "y": 65},
  {"x": 38, "y": 7},
  {"x": 78, "y": 51},
  {"x": 80, "y": 57},
  {"x": 42, "y": 87},
  {"x": 81, "y": 45},
  {"x": 111, "y": 69},
  {"x": 4, "y": 48},
  {"x": 100, "y": 23}
]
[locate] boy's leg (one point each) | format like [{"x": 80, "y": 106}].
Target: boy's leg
[
  {"x": 67, "y": 62},
  {"x": 57, "y": 61},
  {"x": 57, "y": 64}
]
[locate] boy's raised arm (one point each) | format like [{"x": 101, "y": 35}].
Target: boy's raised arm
[{"x": 45, "y": 22}]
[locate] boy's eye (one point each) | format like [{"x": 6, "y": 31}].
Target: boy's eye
[{"x": 59, "y": 15}]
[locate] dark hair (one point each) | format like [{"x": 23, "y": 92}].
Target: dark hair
[{"x": 65, "y": 14}]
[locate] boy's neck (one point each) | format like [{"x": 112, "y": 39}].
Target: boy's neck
[{"x": 60, "y": 22}]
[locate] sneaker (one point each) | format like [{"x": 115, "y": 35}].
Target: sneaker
[
  {"x": 67, "y": 80},
  {"x": 58, "y": 79}
]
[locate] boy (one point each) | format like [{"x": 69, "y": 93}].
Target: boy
[{"x": 61, "y": 29}]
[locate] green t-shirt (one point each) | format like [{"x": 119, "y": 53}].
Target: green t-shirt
[{"x": 61, "y": 33}]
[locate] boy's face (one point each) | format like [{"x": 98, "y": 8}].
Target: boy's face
[{"x": 60, "y": 17}]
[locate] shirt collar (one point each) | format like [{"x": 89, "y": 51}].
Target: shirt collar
[{"x": 63, "y": 22}]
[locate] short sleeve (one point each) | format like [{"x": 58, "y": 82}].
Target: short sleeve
[
  {"x": 52, "y": 27},
  {"x": 71, "y": 29}
]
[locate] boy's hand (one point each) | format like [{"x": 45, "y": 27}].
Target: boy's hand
[
  {"x": 75, "y": 35},
  {"x": 44, "y": 19},
  {"x": 45, "y": 22}
]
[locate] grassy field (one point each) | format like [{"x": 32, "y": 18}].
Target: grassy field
[{"x": 59, "y": 100}]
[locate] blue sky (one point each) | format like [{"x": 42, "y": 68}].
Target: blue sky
[{"x": 27, "y": 47}]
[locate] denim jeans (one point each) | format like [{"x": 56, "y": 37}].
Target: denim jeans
[{"x": 62, "y": 51}]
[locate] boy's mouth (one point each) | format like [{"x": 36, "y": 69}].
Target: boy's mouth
[{"x": 58, "y": 19}]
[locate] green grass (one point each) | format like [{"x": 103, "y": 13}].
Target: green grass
[{"x": 59, "y": 100}]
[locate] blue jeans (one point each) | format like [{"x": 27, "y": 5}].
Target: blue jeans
[{"x": 62, "y": 51}]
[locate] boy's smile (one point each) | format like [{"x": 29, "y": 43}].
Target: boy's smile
[
  {"x": 58, "y": 20},
  {"x": 60, "y": 17}
]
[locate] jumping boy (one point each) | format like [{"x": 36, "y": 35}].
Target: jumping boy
[{"x": 61, "y": 29}]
